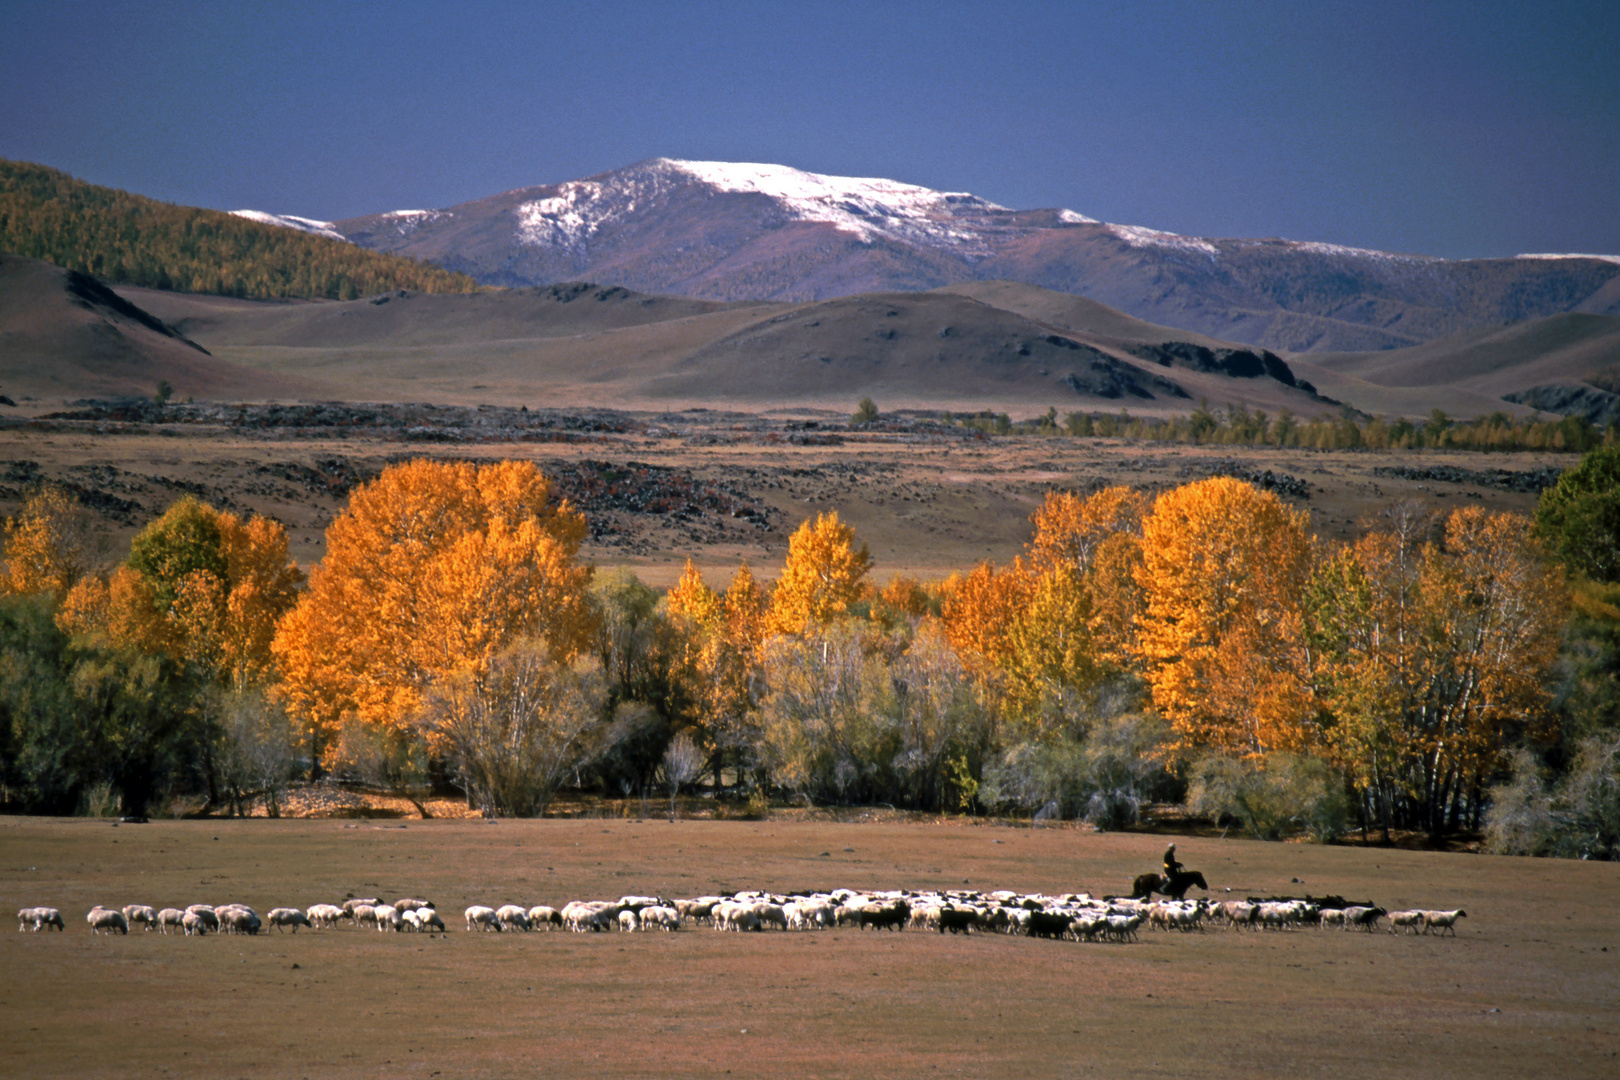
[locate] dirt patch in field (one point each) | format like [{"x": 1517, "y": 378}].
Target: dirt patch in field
[{"x": 1525, "y": 987}]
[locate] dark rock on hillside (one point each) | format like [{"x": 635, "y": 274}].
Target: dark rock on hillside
[
  {"x": 1530, "y": 480},
  {"x": 1601, "y": 407}
]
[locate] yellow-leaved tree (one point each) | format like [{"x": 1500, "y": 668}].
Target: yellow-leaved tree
[
  {"x": 430, "y": 571},
  {"x": 47, "y": 546},
  {"x": 1223, "y": 571},
  {"x": 201, "y": 586},
  {"x": 824, "y": 574}
]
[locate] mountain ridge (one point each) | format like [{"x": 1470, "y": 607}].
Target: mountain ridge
[{"x": 743, "y": 232}]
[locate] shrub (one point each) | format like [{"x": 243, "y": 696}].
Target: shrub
[{"x": 1283, "y": 795}]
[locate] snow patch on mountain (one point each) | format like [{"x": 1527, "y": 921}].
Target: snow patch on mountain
[
  {"x": 1137, "y": 236},
  {"x": 1069, "y": 217},
  {"x": 867, "y": 208},
  {"x": 1600, "y": 258},
  {"x": 291, "y": 221}
]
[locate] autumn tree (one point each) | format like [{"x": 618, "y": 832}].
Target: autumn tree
[
  {"x": 824, "y": 574},
  {"x": 1432, "y": 657},
  {"x": 1223, "y": 570},
  {"x": 48, "y": 546},
  {"x": 722, "y": 635},
  {"x": 431, "y": 570},
  {"x": 516, "y": 726},
  {"x": 201, "y": 587}
]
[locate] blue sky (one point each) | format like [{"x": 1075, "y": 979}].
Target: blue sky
[{"x": 1459, "y": 129}]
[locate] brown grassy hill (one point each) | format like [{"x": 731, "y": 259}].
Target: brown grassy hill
[
  {"x": 65, "y": 335},
  {"x": 1498, "y": 360},
  {"x": 412, "y": 319},
  {"x": 1020, "y": 348}
]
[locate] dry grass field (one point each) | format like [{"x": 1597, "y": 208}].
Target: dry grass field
[{"x": 1529, "y": 987}]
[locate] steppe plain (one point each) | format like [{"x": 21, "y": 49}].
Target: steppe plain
[{"x": 1527, "y": 988}]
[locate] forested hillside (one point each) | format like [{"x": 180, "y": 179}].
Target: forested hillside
[{"x": 125, "y": 238}]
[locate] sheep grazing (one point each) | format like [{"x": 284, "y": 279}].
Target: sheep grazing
[
  {"x": 323, "y": 916},
  {"x": 661, "y": 916},
  {"x": 483, "y": 918},
  {"x": 140, "y": 913},
  {"x": 1442, "y": 920},
  {"x": 424, "y": 920},
  {"x": 205, "y": 914},
  {"x": 1400, "y": 920},
  {"x": 36, "y": 919},
  {"x": 411, "y": 904},
  {"x": 542, "y": 917},
  {"x": 513, "y": 917},
  {"x": 892, "y": 916},
  {"x": 1364, "y": 917},
  {"x": 288, "y": 916},
  {"x": 238, "y": 919},
  {"x": 352, "y": 903},
  {"x": 106, "y": 919},
  {"x": 192, "y": 923},
  {"x": 170, "y": 917},
  {"x": 629, "y": 920}
]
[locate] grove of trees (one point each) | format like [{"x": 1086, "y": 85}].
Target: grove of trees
[{"x": 1441, "y": 672}]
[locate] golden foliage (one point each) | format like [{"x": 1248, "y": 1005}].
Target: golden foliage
[
  {"x": 1221, "y": 637},
  {"x": 201, "y": 586},
  {"x": 822, "y": 576},
  {"x": 47, "y": 546},
  {"x": 1068, "y": 529},
  {"x": 432, "y": 569}
]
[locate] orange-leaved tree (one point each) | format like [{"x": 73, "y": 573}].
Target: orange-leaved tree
[
  {"x": 201, "y": 586},
  {"x": 722, "y": 635},
  {"x": 47, "y": 546},
  {"x": 824, "y": 574},
  {"x": 431, "y": 570},
  {"x": 1223, "y": 571}
]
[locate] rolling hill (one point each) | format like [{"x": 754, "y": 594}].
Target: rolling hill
[{"x": 64, "y": 335}]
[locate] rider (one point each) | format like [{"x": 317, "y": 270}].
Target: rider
[{"x": 1171, "y": 866}]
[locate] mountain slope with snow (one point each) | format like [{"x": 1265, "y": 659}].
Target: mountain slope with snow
[{"x": 734, "y": 231}]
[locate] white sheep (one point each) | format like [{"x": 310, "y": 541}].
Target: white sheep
[
  {"x": 170, "y": 917},
  {"x": 427, "y": 920},
  {"x": 205, "y": 914},
  {"x": 192, "y": 923},
  {"x": 323, "y": 916},
  {"x": 542, "y": 917},
  {"x": 659, "y": 915},
  {"x": 513, "y": 917},
  {"x": 411, "y": 904},
  {"x": 140, "y": 913},
  {"x": 239, "y": 919},
  {"x": 107, "y": 919},
  {"x": 1400, "y": 920},
  {"x": 1442, "y": 920},
  {"x": 484, "y": 918},
  {"x": 364, "y": 915},
  {"x": 288, "y": 916},
  {"x": 629, "y": 920}
]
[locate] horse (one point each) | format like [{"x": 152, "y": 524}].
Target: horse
[{"x": 1175, "y": 886}]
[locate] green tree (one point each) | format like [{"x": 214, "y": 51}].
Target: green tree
[
  {"x": 865, "y": 413},
  {"x": 1579, "y": 517}
]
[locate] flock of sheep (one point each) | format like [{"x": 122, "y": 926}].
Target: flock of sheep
[{"x": 1073, "y": 916}]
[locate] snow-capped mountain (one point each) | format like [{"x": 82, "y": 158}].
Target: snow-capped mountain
[{"x": 730, "y": 231}]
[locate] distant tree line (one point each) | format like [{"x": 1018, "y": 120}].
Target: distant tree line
[
  {"x": 1237, "y": 425},
  {"x": 1440, "y": 672},
  {"x": 128, "y": 239}
]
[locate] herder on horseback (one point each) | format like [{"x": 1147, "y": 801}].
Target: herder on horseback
[{"x": 1174, "y": 883}]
